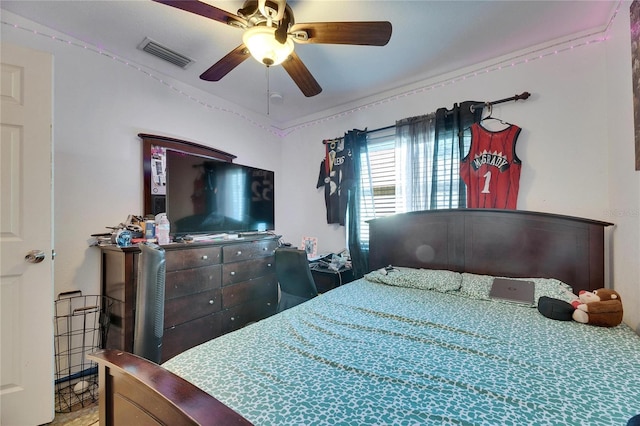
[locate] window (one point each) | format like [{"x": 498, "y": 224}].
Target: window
[
  {"x": 378, "y": 184},
  {"x": 387, "y": 188},
  {"x": 413, "y": 165}
]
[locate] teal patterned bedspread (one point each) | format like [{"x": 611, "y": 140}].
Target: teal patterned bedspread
[{"x": 371, "y": 354}]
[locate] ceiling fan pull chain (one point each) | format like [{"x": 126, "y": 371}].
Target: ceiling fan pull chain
[{"x": 268, "y": 90}]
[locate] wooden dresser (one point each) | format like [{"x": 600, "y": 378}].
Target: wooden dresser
[{"x": 211, "y": 288}]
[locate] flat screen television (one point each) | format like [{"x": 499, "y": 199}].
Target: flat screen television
[{"x": 208, "y": 196}]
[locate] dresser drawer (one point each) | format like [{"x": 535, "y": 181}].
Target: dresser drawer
[
  {"x": 258, "y": 288},
  {"x": 184, "y": 336},
  {"x": 188, "y": 281},
  {"x": 243, "y": 271},
  {"x": 187, "y": 308},
  {"x": 246, "y": 251},
  {"x": 192, "y": 258},
  {"x": 241, "y": 315}
]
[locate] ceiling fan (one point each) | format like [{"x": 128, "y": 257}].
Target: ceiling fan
[{"x": 270, "y": 32}]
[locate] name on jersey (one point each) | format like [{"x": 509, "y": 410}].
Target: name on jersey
[
  {"x": 335, "y": 160},
  {"x": 338, "y": 161},
  {"x": 496, "y": 159}
]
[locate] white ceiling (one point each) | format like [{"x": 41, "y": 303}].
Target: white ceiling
[{"x": 429, "y": 38}]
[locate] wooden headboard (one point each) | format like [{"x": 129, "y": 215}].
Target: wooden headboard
[{"x": 510, "y": 243}]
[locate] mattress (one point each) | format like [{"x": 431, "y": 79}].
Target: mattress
[{"x": 370, "y": 353}]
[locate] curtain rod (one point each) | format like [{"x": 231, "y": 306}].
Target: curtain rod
[
  {"x": 324, "y": 142},
  {"x": 523, "y": 95}
]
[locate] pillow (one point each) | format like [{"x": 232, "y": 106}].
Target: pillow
[
  {"x": 440, "y": 280},
  {"x": 425, "y": 279},
  {"x": 478, "y": 287}
]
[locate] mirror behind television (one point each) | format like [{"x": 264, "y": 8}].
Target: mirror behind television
[
  {"x": 205, "y": 195},
  {"x": 154, "y": 164},
  {"x": 259, "y": 202}
]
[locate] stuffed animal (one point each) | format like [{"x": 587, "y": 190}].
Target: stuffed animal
[{"x": 602, "y": 307}]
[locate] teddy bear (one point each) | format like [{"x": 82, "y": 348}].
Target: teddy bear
[{"x": 602, "y": 307}]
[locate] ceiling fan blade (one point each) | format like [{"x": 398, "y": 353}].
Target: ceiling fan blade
[
  {"x": 367, "y": 33},
  {"x": 206, "y": 10},
  {"x": 225, "y": 65},
  {"x": 301, "y": 75}
]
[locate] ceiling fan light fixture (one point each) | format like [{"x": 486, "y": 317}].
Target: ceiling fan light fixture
[{"x": 261, "y": 42}]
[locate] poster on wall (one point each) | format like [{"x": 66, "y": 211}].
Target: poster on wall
[
  {"x": 634, "y": 12},
  {"x": 158, "y": 170}
]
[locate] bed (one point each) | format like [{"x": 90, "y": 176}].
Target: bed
[{"x": 420, "y": 344}]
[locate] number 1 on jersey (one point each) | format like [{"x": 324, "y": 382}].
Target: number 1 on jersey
[{"x": 487, "y": 179}]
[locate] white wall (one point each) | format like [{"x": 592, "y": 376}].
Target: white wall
[
  {"x": 100, "y": 106},
  {"x": 576, "y": 145},
  {"x": 565, "y": 168},
  {"x": 624, "y": 181}
]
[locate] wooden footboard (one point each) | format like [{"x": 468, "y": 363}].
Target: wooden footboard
[{"x": 135, "y": 391}]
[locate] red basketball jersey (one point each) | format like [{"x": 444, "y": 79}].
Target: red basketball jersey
[{"x": 491, "y": 169}]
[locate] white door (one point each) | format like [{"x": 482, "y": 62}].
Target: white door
[{"x": 26, "y": 287}]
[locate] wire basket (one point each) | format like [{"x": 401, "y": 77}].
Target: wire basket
[{"x": 81, "y": 327}]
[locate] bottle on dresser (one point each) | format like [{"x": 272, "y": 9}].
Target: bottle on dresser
[{"x": 163, "y": 228}]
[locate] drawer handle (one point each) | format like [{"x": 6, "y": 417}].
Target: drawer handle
[
  {"x": 211, "y": 301},
  {"x": 233, "y": 273},
  {"x": 268, "y": 265},
  {"x": 205, "y": 257},
  {"x": 232, "y": 319},
  {"x": 238, "y": 253},
  {"x": 264, "y": 249}
]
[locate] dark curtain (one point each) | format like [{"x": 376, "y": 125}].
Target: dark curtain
[
  {"x": 359, "y": 252},
  {"x": 453, "y": 139}
]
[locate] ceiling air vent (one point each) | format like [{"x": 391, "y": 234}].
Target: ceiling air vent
[{"x": 162, "y": 52}]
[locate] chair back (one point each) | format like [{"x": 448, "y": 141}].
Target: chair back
[{"x": 294, "y": 274}]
